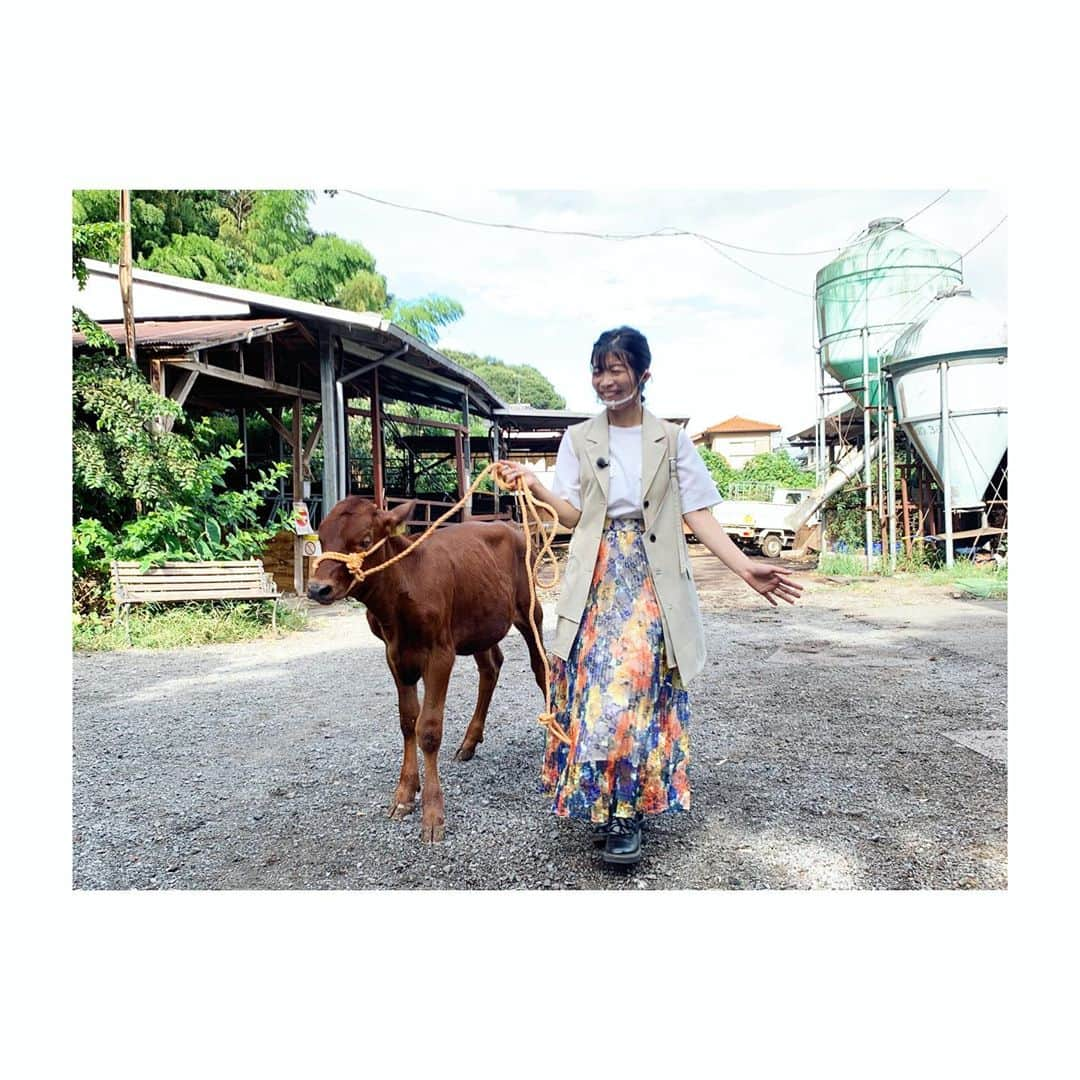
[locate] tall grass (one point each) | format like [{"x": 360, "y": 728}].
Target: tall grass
[
  {"x": 176, "y": 626},
  {"x": 843, "y": 564}
]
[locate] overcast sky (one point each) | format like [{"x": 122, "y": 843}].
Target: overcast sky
[{"x": 724, "y": 342}]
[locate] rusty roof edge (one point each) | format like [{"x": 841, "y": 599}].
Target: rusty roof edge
[{"x": 367, "y": 319}]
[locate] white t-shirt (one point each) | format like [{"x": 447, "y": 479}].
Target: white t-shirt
[{"x": 696, "y": 487}]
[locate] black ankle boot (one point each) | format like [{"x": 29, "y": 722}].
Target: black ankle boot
[{"x": 623, "y": 844}]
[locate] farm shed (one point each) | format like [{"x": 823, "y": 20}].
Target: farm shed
[{"x": 215, "y": 348}]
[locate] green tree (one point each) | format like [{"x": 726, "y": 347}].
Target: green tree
[
  {"x": 512, "y": 382},
  {"x": 266, "y": 225},
  {"x": 156, "y": 216},
  {"x": 198, "y": 257},
  {"x": 422, "y": 318},
  {"x": 259, "y": 240},
  {"x": 318, "y": 271},
  {"x": 364, "y": 291},
  {"x": 779, "y": 468},
  {"x": 719, "y": 469}
]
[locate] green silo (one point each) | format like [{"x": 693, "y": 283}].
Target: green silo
[{"x": 880, "y": 282}]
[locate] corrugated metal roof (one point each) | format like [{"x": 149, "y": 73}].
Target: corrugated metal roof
[
  {"x": 358, "y": 320},
  {"x": 188, "y": 334}
]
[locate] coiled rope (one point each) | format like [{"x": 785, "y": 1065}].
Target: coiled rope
[{"x": 529, "y": 508}]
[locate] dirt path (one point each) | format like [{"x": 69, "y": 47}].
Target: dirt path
[{"x": 855, "y": 741}]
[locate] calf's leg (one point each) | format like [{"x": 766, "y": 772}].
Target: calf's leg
[
  {"x": 488, "y": 663},
  {"x": 404, "y": 798},
  {"x": 429, "y": 729}
]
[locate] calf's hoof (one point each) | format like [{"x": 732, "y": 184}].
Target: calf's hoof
[
  {"x": 465, "y": 753},
  {"x": 398, "y": 811},
  {"x": 433, "y": 832}
]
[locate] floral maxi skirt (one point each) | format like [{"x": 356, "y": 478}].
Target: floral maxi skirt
[{"x": 626, "y": 712}]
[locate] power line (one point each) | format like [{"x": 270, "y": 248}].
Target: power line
[
  {"x": 664, "y": 232},
  {"x": 927, "y": 206},
  {"x": 799, "y": 292},
  {"x": 743, "y": 266}
]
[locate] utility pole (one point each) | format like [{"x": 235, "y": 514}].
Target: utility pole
[{"x": 125, "y": 274}]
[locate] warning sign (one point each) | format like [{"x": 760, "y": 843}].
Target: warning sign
[{"x": 301, "y": 520}]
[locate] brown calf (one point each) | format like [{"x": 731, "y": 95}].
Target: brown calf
[{"x": 456, "y": 594}]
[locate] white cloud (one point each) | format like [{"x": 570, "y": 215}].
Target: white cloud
[{"x": 724, "y": 341}]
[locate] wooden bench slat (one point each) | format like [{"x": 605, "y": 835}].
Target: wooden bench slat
[
  {"x": 215, "y": 571},
  {"x": 193, "y": 594},
  {"x": 239, "y": 578},
  {"x": 192, "y": 565},
  {"x": 179, "y": 582},
  {"x": 202, "y": 586}
]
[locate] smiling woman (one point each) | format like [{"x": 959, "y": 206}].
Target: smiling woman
[{"x": 628, "y": 634}]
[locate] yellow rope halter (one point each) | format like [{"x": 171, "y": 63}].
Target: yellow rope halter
[{"x": 529, "y": 507}]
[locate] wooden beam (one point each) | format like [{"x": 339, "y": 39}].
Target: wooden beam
[
  {"x": 276, "y": 424},
  {"x": 351, "y": 348},
  {"x": 181, "y": 390},
  {"x": 268, "y": 360},
  {"x": 227, "y": 375},
  {"x": 363, "y": 370},
  {"x": 306, "y": 334},
  {"x": 313, "y": 438},
  {"x": 419, "y": 421}
]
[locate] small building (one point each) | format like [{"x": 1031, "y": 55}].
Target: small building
[{"x": 738, "y": 439}]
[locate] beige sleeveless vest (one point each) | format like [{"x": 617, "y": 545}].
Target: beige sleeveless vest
[{"x": 665, "y": 544}]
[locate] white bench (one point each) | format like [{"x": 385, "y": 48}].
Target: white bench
[{"x": 181, "y": 581}]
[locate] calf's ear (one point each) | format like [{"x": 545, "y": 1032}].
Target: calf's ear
[{"x": 397, "y": 517}]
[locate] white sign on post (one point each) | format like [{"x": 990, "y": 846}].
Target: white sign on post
[{"x": 301, "y": 520}]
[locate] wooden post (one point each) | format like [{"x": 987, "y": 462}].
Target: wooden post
[
  {"x": 376, "y": 441},
  {"x": 345, "y": 479},
  {"x": 125, "y": 282},
  {"x": 298, "y": 490},
  {"x": 463, "y": 483},
  {"x": 906, "y": 508},
  {"x": 328, "y": 397},
  {"x": 242, "y": 418}
]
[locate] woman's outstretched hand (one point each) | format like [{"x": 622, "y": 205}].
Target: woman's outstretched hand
[{"x": 771, "y": 582}]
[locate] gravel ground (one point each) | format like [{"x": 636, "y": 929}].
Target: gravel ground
[{"x": 853, "y": 742}]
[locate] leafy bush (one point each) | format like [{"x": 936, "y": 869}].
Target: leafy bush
[
  {"x": 204, "y": 520},
  {"x": 779, "y": 468},
  {"x": 719, "y": 469}
]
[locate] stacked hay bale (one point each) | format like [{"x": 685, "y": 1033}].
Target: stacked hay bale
[{"x": 277, "y": 560}]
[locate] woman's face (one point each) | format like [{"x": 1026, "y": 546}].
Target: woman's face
[{"x": 615, "y": 380}]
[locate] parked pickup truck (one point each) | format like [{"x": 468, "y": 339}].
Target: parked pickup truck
[{"x": 767, "y": 520}]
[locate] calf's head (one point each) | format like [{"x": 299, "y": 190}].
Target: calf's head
[{"x": 353, "y": 525}]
